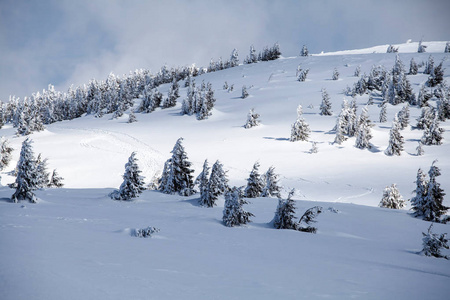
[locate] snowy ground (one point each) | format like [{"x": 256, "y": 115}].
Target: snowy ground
[{"x": 76, "y": 243}]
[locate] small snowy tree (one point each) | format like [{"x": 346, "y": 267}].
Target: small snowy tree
[
  {"x": 426, "y": 118},
  {"x": 132, "y": 118},
  {"x": 217, "y": 185},
  {"x": 271, "y": 187},
  {"x": 27, "y": 179},
  {"x": 42, "y": 171},
  {"x": 418, "y": 201},
  {"x": 396, "y": 140},
  {"x": 133, "y": 183},
  {"x": 285, "y": 213},
  {"x": 5, "y": 153},
  {"x": 203, "y": 181},
  {"x": 403, "y": 117},
  {"x": 429, "y": 65},
  {"x": 357, "y": 71},
  {"x": 432, "y": 205},
  {"x": 433, "y": 243},
  {"x": 325, "y": 106},
  {"x": 436, "y": 76},
  {"x": 300, "y": 129},
  {"x": 252, "y": 119},
  {"x": 304, "y": 51},
  {"x": 304, "y": 224},
  {"x": 433, "y": 134},
  {"x": 392, "y": 198},
  {"x": 335, "y": 74},
  {"x": 233, "y": 212},
  {"x": 447, "y": 47},
  {"x": 383, "y": 113},
  {"x": 56, "y": 180},
  {"x": 421, "y": 48},
  {"x": 255, "y": 184},
  {"x": 244, "y": 92},
  {"x": 419, "y": 149},
  {"x": 363, "y": 133},
  {"x": 391, "y": 49},
  {"x": 302, "y": 73},
  {"x": 314, "y": 148},
  {"x": 413, "y": 67},
  {"x": 234, "y": 58}
]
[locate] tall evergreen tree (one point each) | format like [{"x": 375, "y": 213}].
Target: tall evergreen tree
[
  {"x": 5, "y": 153},
  {"x": 413, "y": 67},
  {"x": 271, "y": 187},
  {"x": 233, "y": 212},
  {"x": 383, "y": 113},
  {"x": 300, "y": 129},
  {"x": 363, "y": 134},
  {"x": 325, "y": 106},
  {"x": 254, "y": 183},
  {"x": 433, "y": 207},
  {"x": 396, "y": 140},
  {"x": 436, "y": 76},
  {"x": 27, "y": 179},
  {"x": 429, "y": 65},
  {"x": 392, "y": 198},
  {"x": 426, "y": 117},
  {"x": 403, "y": 117},
  {"x": 432, "y": 134},
  {"x": 418, "y": 201},
  {"x": 234, "y": 59},
  {"x": 133, "y": 183},
  {"x": 203, "y": 181},
  {"x": 217, "y": 185}
]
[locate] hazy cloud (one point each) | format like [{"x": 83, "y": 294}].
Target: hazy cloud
[{"x": 70, "y": 42}]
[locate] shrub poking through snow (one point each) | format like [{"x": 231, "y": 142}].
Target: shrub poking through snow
[
  {"x": 308, "y": 218},
  {"x": 56, "y": 180},
  {"x": 392, "y": 198},
  {"x": 433, "y": 243},
  {"x": 145, "y": 232}
]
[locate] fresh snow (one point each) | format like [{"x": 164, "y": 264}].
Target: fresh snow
[{"x": 76, "y": 242}]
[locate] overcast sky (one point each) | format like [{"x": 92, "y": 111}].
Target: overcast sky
[{"x": 69, "y": 42}]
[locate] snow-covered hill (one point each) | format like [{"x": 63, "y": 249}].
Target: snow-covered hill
[{"x": 76, "y": 242}]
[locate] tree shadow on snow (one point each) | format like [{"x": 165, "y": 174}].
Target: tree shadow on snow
[
  {"x": 193, "y": 202},
  {"x": 374, "y": 149},
  {"x": 276, "y": 139},
  {"x": 5, "y": 200}
]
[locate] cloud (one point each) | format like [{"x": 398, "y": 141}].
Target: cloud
[{"x": 70, "y": 42}]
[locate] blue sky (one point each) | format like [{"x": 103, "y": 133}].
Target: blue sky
[{"x": 69, "y": 42}]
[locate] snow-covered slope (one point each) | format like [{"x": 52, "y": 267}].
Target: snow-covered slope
[{"x": 76, "y": 242}]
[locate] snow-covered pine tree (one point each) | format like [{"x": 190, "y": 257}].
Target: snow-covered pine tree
[
  {"x": 56, "y": 180},
  {"x": 5, "y": 153},
  {"x": 133, "y": 183},
  {"x": 42, "y": 171},
  {"x": 363, "y": 134},
  {"x": 340, "y": 130},
  {"x": 202, "y": 181},
  {"x": 244, "y": 92},
  {"x": 370, "y": 101},
  {"x": 433, "y": 243},
  {"x": 300, "y": 129},
  {"x": 314, "y": 148},
  {"x": 436, "y": 77},
  {"x": 172, "y": 95},
  {"x": 252, "y": 119},
  {"x": 383, "y": 113},
  {"x": 27, "y": 179},
  {"x": 447, "y": 47},
  {"x": 426, "y": 117},
  {"x": 423, "y": 97},
  {"x": 325, "y": 106},
  {"x": 335, "y": 74},
  {"x": 418, "y": 201},
  {"x": 360, "y": 87},
  {"x": 302, "y": 73},
  {"x": 271, "y": 187},
  {"x": 391, "y": 49},
  {"x": 304, "y": 51},
  {"x": 421, "y": 48},
  {"x": 255, "y": 183},
  {"x": 392, "y": 198},
  {"x": 132, "y": 118},
  {"x": 234, "y": 58},
  {"x": 433, "y": 134},
  {"x": 352, "y": 120},
  {"x": 285, "y": 214},
  {"x": 432, "y": 205},
  {"x": 304, "y": 224},
  {"x": 396, "y": 140},
  {"x": 403, "y": 117},
  {"x": 419, "y": 149},
  {"x": 413, "y": 67},
  {"x": 217, "y": 185},
  {"x": 233, "y": 212},
  {"x": 225, "y": 86},
  {"x": 357, "y": 71},
  {"x": 177, "y": 176},
  {"x": 252, "y": 58},
  {"x": 429, "y": 65}
]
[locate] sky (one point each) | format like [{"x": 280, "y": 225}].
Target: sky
[{"x": 66, "y": 42}]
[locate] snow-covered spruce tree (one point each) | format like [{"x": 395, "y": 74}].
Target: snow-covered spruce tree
[
  {"x": 56, "y": 180},
  {"x": 403, "y": 117},
  {"x": 5, "y": 153},
  {"x": 396, "y": 140},
  {"x": 429, "y": 65},
  {"x": 383, "y": 113},
  {"x": 255, "y": 184},
  {"x": 202, "y": 181},
  {"x": 392, "y": 198},
  {"x": 252, "y": 58},
  {"x": 357, "y": 71},
  {"x": 433, "y": 243},
  {"x": 447, "y": 47},
  {"x": 302, "y": 73},
  {"x": 413, "y": 67},
  {"x": 233, "y": 212},
  {"x": 426, "y": 117},
  {"x": 335, "y": 74},
  {"x": 363, "y": 134},
  {"x": 244, "y": 92},
  {"x": 42, "y": 171},
  {"x": 304, "y": 224},
  {"x": 27, "y": 179},
  {"x": 436, "y": 76},
  {"x": 300, "y": 129},
  {"x": 133, "y": 183},
  {"x": 421, "y": 48},
  {"x": 360, "y": 87},
  {"x": 423, "y": 97},
  {"x": 234, "y": 59},
  {"x": 433, "y": 134},
  {"x": 419, "y": 149},
  {"x": 352, "y": 120},
  {"x": 172, "y": 95},
  {"x": 225, "y": 86},
  {"x": 370, "y": 101},
  {"x": 304, "y": 51},
  {"x": 325, "y": 106},
  {"x": 177, "y": 176},
  {"x": 285, "y": 214},
  {"x": 132, "y": 118},
  {"x": 217, "y": 185},
  {"x": 391, "y": 49},
  {"x": 432, "y": 205},
  {"x": 271, "y": 187},
  {"x": 418, "y": 201},
  {"x": 314, "y": 148},
  {"x": 252, "y": 119},
  {"x": 340, "y": 130}
]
